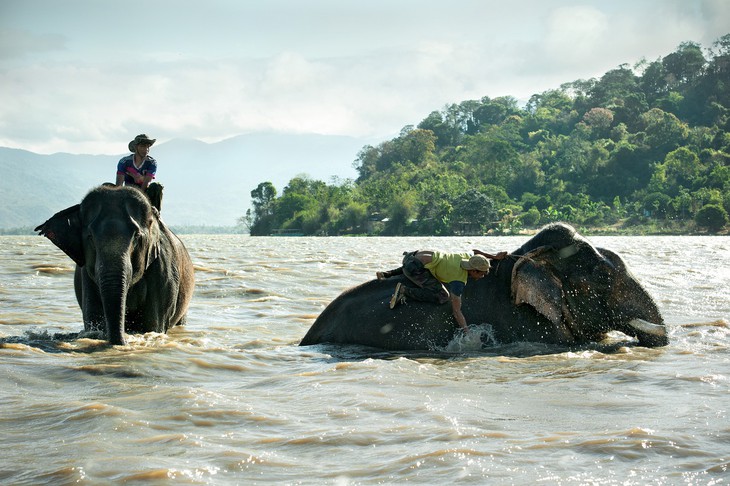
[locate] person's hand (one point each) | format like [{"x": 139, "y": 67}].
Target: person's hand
[
  {"x": 138, "y": 178},
  {"x": 379, "y": 275}
]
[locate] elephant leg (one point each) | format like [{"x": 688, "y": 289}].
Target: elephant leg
[
  {"x": 150, "y": 306},
  {"x": 87, "y": 293},
  {"x": 154, "y": 317},
  {"x": 141, "y": 309},
  {"x": 78, "y": 286}
]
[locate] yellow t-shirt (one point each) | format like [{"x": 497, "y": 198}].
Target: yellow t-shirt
[{"x": 447, "y": 267}]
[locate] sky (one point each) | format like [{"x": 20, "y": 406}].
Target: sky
[{"x": 86, "y": 76}]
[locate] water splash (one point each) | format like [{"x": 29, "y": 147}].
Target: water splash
[{"x": 475, "y": 339}]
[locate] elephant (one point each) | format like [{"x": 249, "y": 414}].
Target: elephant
[
  {"x": 132, "y": 273},
  {"x": 557, "y": 288}
]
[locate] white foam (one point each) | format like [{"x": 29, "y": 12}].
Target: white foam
[{"x": 474, "y": 339}]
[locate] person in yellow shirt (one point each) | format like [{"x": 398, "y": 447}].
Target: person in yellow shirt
[{"x": 433, "y": 271}]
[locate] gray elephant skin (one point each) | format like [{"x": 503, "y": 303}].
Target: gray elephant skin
[
  {"x": 132, "y": 273},
  {"x": 557, "y": 288}
]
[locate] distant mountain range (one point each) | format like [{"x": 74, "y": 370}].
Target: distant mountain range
[{"x": 205, "y": 184}]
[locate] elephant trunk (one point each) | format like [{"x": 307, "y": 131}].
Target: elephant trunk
[{"x": 113, "y": 287}]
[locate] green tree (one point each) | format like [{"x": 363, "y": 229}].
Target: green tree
[
  {"x": 614, "y": 87},
  {"x": 685, "y": 65},
  {"x": 653, "y": 81},
  {"x": 400, "y": 212},
  {"x": 262, "y": 199},
  {"x": 664, "y": 131},
  {"x": 301, "y": 194},
  {"x": 445, "y": 135},
  {"x": 681, "y": 169},
  {"x": 354, "y": 218},
  {"x": 474, "y": 212},
  {"x": 657, "y": 204},
  {"x": 491, "y": 159},
  {"x": 531, "y": 218},
  {"x": 493, "y": 112},
  {"x": 551, "y": 111},
  {"x": 435, "y": 191},
  {"x": 413, "y": 146},
  {"x": 648, "y": 146},
  {"x": 713, "y": 217},
  {"x": 599, "y": 120},
  {"x": 682, "y": 205}
]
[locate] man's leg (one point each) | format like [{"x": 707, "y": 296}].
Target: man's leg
[
  {"x": 429, "y": 289},
  {"x": 389, "y": 273}
]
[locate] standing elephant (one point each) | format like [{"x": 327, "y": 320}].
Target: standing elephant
[
  {"x": 133, "y": 274},
  {"x": 557, "y": 288}
]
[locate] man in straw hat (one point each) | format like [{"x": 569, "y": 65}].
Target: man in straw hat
[
  {"x": 432, "y": 271},
  {"x": 139, "y": 169}
]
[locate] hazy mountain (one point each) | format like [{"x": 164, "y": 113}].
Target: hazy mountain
[{"x": 205, "y": 184}]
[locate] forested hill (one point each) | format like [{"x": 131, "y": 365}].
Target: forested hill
[{"x": 646, "y": 147}]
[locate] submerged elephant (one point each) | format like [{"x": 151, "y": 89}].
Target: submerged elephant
[
  {"x": 133, "y": 274},
  {"x": 557, "y": 288}
]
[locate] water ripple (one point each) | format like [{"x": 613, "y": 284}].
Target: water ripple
[{"x": 230, "y": 398}]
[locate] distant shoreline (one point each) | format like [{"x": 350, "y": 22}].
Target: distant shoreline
[{"x": 655, "y": 228}]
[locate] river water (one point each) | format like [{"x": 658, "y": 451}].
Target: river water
[{"x": 231, "y": 399}]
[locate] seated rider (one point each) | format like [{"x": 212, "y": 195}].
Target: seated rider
[
  {"x": 139, "y": 168},
  {"x": 432, "y": 271}
]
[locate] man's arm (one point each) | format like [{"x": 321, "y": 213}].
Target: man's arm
[
  {"x": 134, "y": 174},
  {"x": 146, "y": 181},
  {"x": 499, "y": 256},
  {"x": 456, "y": 309}
]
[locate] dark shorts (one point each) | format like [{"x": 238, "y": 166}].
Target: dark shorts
[{"x": 429, "y": 289}]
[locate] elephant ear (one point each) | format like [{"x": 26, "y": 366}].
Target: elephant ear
[
  {"x": 64, "y": 231},
  {"x": 534, "y": 283}
]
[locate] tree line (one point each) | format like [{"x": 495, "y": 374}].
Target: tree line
[{"x": 644, "y": 147}]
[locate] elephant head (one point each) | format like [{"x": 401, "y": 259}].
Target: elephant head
[
  {"x": 113, "y": 236},
  {"x": 582, "y": 290}
]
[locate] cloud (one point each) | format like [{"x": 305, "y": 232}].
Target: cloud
[
  {"x": 18, "y": 43},
  {"x": 91, "y": 104},
  {"x": 574, "y": 34},
  {"x": 366, "y": 71}
]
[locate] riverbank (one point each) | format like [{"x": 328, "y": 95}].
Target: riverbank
[{"x": 650, "y": 228}]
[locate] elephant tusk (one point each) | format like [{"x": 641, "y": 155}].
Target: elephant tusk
[{"x": 648, "y": 327}]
